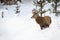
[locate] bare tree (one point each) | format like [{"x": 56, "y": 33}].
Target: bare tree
[
  {"x": 54, "y": 5},
  {"x": 40, "y": 3}
]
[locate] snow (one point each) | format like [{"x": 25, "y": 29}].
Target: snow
[{"x": 22, "y": 27}]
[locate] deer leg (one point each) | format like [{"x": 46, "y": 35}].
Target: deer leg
[
  {"x": 46, "y": 25},
  {"x": 41, "y": 28}
]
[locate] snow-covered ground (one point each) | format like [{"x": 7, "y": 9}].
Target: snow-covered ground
[{"x": 22, "y": 27}]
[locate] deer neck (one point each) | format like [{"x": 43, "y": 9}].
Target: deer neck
[{"x": 41, "y": 18}]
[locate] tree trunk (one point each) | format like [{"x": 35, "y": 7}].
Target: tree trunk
[
  {"x": 55, "y": 7},
  {"x": 41, "y": 7},
  {"x": 2, "y": 14}
]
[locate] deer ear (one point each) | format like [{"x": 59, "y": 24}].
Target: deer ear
[{"x": 33, "y": 12}]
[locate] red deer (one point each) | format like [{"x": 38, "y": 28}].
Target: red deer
[{"x": 44, "y": 22}]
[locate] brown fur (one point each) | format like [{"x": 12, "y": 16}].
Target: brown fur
[{"x": 44, "y": 22}]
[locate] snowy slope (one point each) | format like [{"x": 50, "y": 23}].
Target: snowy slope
[{"x": 22, "y": 27}]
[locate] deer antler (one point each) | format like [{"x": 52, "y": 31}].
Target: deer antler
[{"x": 35, "y": 11}]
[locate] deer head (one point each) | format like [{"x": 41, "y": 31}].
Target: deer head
[{"x": 35, "y": 14}]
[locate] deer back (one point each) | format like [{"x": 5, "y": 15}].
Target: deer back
[{"x": 47, "y": 19}]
